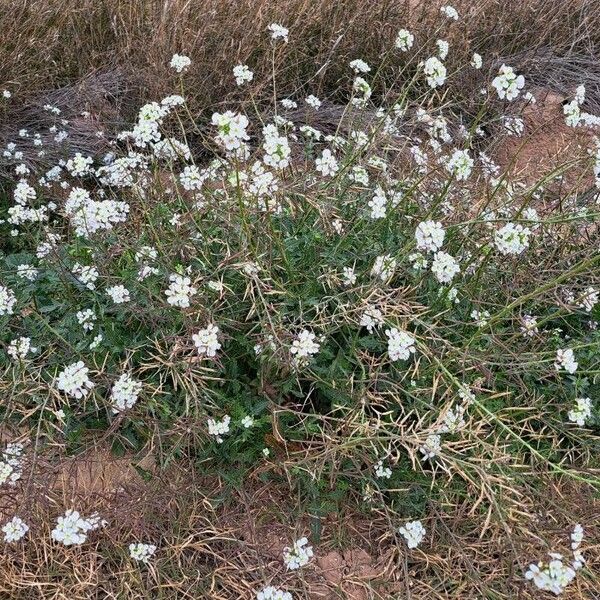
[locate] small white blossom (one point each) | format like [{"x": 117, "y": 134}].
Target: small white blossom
[
  {"x": 180, "y": 63},
  {"x": 219, "y": 428},
  {"x": 207, "y": 341},
  {"x": 565, "y": 359},
  {"x": 401, "y": 344},
  {"x": 124, "y": 393},
  {"x": 581, "y": 412},
  {"x": 413, "y": 532},
  {"x": 74, "y": 380},
  {"x": 404, "y": 40},
  {"x": 507, "y": 83},
  {"x": 242, "y": 74},
  {"x": 142, "y": 552},
  {"x": 298, "y": 555},
  {"x": 278, "y": 32},
  {"x": 14, "y": 530},
  {"x": 118, "y": 293},
  {"x": 444, "y": 267},
  {"x": 180, "y": 291}
]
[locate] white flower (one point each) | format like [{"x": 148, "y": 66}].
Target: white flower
[
  {"x": 432, "y": 446},
  {"x": 179, "y": 291},
  {"x": 242, "y": 74},
  {"x": 72, "y": 528},
  {"x": 6, "y": 94},
  {"x": 430, "y": 236},
  {"x": 512, "y": 239},
  {"x": 453, "y": 420},
  {"x": 124, "y": 393},
  {"x": 74, "y": 380},
  {"x": 384, "y": 267},
  {"x": 231, "y": 129},
  {"x": 588, "y": 299},
  {"x": 371, "y": 318},
  {"x": 404, "y": 40},
  {"x": 552, "y": 577},
  {"x": 381, "y": 471},
  {"x": 118, "y": 293},
  {"x": 450, "y": 12},
  {"x": 378, "y": 204},
  {"x": 443, "y": 47},
  {"x": 20, "y": 347},
  {"x": 326, "y": 164},
  {"x": 219, "y": 428},
  {"x": 435, "y": 71},
  {"x": 27, "y": 272},
  {"x": 413, "y": 532},
  {"x": 507, "y": 83},
  {"x": 476, "y": 61},
  {"x": 206, "y": 340},
  {"x": 359, "y": 66},
  {"x": 14, "y": 530},
  {"x": 529, "y": 327},
  {"x": 565, "y": 359},
  {"x": 141, "y": 552},
  {"x": 460, "y": 164},
  {"x": 273, "y": 593},
  {"x": 7, "y": 301},
  {"x": 180, "y": 63},
  {"x": 276, "y": 147},
  {"x": 247, "y": 422},
  {"x": 86, "y": 318},
  {"x": 278, "y": 32},
  {"x": 86, "y": 275},
  {"x": 444, "y": 267},
  {"x": 401, "y": 344},
  {"x": 313, "y": 101},
  {"x": 6, "y": 471},
  {"x": 349, "y": 276},
  {"x": 304, "y": 346},
  {"x": 581, "y": 412},
  {"x": 79, "y": 165},
  {"x": 480, "y": 317},
  {"x": 298, "y": 555}
]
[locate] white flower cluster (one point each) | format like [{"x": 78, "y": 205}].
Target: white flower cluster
[
  {"x": 432, "y": 446},
  {"x": 72, "y": 528},
  {"x": 444, "y": 267},
  {"x": 7, "y": 301},
  {"x": 581, "y": 412},
  {"x": 430, "y": 236},
  {"x": 124, "y": 393},
  {"x": 180, "y": 291},
  {"x": 79, "y": 165},
  {"x": 298, "y": 555},
  {"x": 278, "y": 32},
  {"x": 401, "y": 344},
  {"x": 371, "y": 318},
  {"x": 382, "y": 471},
  {"x": 231, "y": 130},
  {"x": 565, "y": 359},
  {"x": 276, "y": 147},
  {"x": 219, "y": 428},
  {"x": 384, "y": 267},
  {"x": 530, "y": 326},
  {"x": 14, "y": 530},
  {"x": 273, "y": 593},
  {"x": 207, "y": 341},
  {"x": 404, "y": 40},
  {"x": 588, "y": 299},
  {"x": 242, "y": 74},
  {"x": 460, "y": 164},
  {"x": 19, "y": 348},
  {"x": 507, "y": 83},
  {"x": 304, "y": 346},
  {"x": 118, "y": 293},
  {"x": 556, "y": 575},
  {"x": 180, "y": 62},
  {"x": 86, "y": 274},
  {"x": 11, "y": 467},
  {"x": 512, "y": 239},
  {"x": 450, "y": 12},
  {"x": 141, "y": 552},
  {"x": 435, "y": 71},
  {"x": 413, "y": 532},
  {"x": 89, "y": 216},
  {"x": 74, "y": 380},
  {"x": 326, "y": 164}
]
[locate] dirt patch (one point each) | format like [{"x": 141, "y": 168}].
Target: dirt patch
[{"x": 546, "y": 144}]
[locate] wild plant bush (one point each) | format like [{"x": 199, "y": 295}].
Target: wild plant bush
[{"x": 354, "y": 297}]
